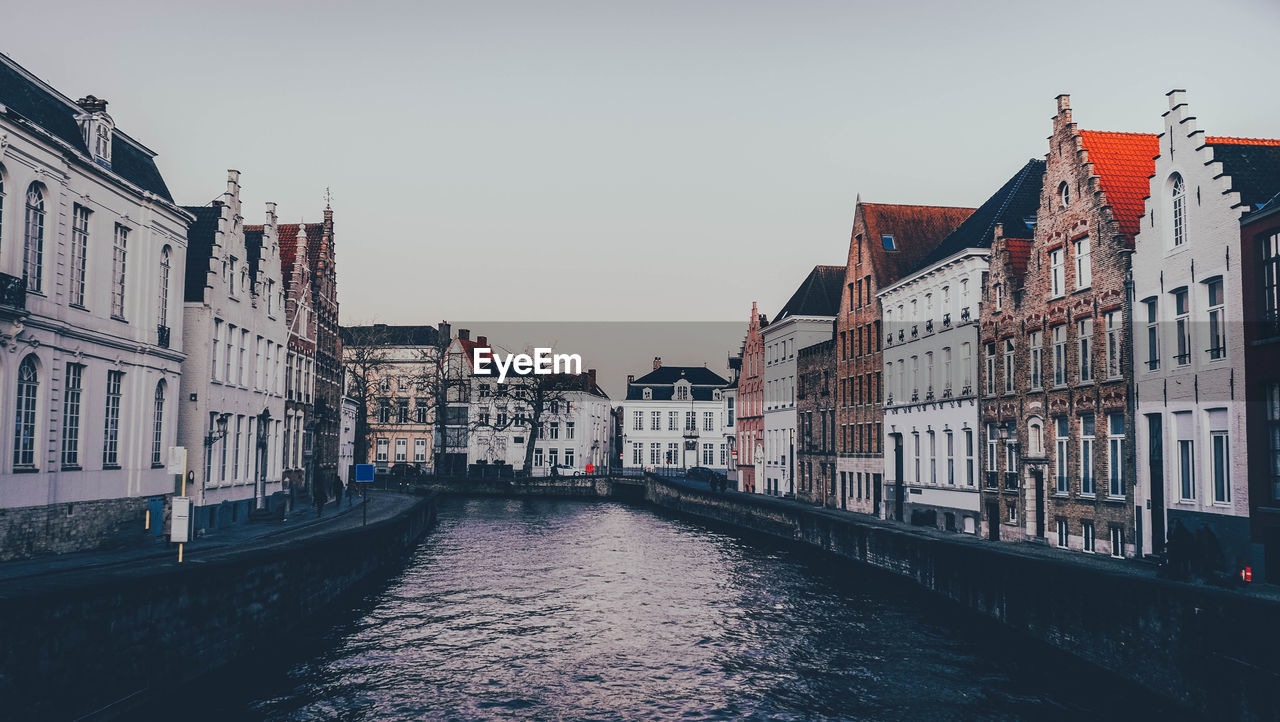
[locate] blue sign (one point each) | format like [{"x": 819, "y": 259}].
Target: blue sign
[{"x": 364, "y": 473}]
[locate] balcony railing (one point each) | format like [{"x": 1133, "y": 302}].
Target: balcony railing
[
  {"x": 946, "y": 320},
  {"x": 964, "y": 314},
  {"x": 993, "y": 479},
  {"x": 1011, "y": 480},
  {"x": 162, "y": 336},
  {"x": 13, "y": 291},
  {"x": 928, "y": 326}
]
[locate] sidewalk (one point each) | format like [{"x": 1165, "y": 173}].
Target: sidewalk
[{"x": 303, "y": 522}]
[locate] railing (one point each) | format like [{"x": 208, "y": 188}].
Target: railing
[
  {"x": 928, "y": 326},
  {"x": 964, "y": 314},
  {"x": 162, "y": 336},
  {"x": 993, "y": 479},
  {"x": 946, "y": 319},
  {"x": 1217, "y": 352},
  {"x": 1011, "y": 480},
  {"x": 1182, "y": 359},
  {"x": 13, "y": 291}
]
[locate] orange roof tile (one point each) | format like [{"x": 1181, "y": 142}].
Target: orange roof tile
[
  {"x": 1124, "y": 163},
  {"x": 1226, "y": 140},
  {"x": 1019, "y": 254}
]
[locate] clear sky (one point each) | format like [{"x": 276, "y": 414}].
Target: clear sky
[{"x": 586, "y": 161}]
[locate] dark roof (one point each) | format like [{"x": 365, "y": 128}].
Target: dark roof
[
  {"x": 253, "y": 249},
  {"x": 819, "y": 295},
  {"x": 662, "y": 379},
  {"x": 1254, "y": 167},
  {"x": 1015, "y": 202},
  {"x": 380, "y": 334},
  {"x": 23, "y": 96},
  {"x": 200, "y": 248}
]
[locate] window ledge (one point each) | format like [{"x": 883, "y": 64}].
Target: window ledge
[
  {"x": 26, "y": 470},
  {"x": 121, "y": 319},
  {"x": 110, "y": 467},
  {"x": 68, "y": 467},
  {"x": 77, "y": 306}
]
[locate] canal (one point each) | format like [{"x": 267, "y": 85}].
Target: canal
[{"x": 591, "y": 610}]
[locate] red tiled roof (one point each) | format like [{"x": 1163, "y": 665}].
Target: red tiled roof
[
  {"x": 287, "y": 234},
  {"x": 1124, "y": 163},
  {"x": 1225, "y": 140},
  {"x": 1019, "y": 254},
  {"x": 917, "y": 230}
]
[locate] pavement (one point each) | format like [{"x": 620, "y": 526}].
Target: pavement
[
  {"x": 300, "y": 524},
  {"x": 1126, "y": 567}
]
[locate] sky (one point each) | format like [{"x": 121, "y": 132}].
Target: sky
[{"x": 643, "y": 161}]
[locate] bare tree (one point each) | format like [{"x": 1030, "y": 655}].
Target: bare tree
[
  {"x": 528, "y": 400},
  {"x": 366, "y": 362}
]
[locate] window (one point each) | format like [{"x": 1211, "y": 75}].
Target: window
[
  {"x": 915, "y": 438},
  {"x": 990, "y": 368},
  {"x": 1183, "y": 424},
  {"x": 1217, "y": 328},
  {"x": 402, "y": 450},
  {"x": 1034, "y": 342},
  {"x": 998, "y": 292},
  {"x": 162, "y": 316},
  {"x": 966, "y": 366},
  {"x": 402, "y": 411},
  {"x": 382, "y": 447},
  {"x": 889, "y": 243},
  {"x": 1117, "y": 542},
  {"x": 79, "y": 249},
  {"x": 71, "y": 417},
  {"x": 420, "y": 406},
  {"x": 1059, "y": 355},
  {"x": 708, "y": 421},
  {"x": 637, "y": 454},
  {"x": 568, "y": 457},
  {"x": 655, "y": 420},
  {"x": 1182, "y": 311},
  {"x": 1084, "y": 336},
  {"x": 993, "y": 451},
  {"x": 1062, "y": 533},
  {"x": 638, "y": 421},
  {"x": 555, "y": 427},
  {"x": 111, "y": 426},
  {"x": 24, "y": 432},
  {"x": 1011, "y": 512},
  {"x": 1008, "y": 365},
  {"x": 1179, "y": 195},
  {"x": 1055, "y": 272},
  {"x": 933, "y": 458},
  {"x": 568, "y": 430},
  {"x": 951, "y": 458},
  {"x": 119, "y": 249},
  {"x": 1084, "y": 266},
  {"x": 690, "y": 421},
  {"x": 33, "y": 256},
  {"x": 655, "y": 453},
  {"x": 968, "y": 456},
  {"x": 1060, "y": 452},
  {"x": 1087, "y": 429},
  {"x": 1115, "y": 454},
  {"x": 946, "y": 373},
  {"x": 1086, "y": 530},
  {"x": 682, "y": 392},
  {"x": 673, "y": 421},
  {"x": 1270, "y": 295},
  {"x": 1064, "y": 195},
  {"x": 1219, "y": 450},
  {"x": 1153, "y": 335},
  {"x": 708, "y": 454},
  {"x": 419, "y": 450},
  {"x": 157, "y": 427}
]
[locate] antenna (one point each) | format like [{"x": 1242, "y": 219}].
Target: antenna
[{"x": 328, "y": 199}]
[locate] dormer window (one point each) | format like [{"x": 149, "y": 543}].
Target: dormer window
[
  {"x": 682, "y": 391},
  {"x": 647, "y": 394},
  {"x": 97, "y": 128},
  {"x": 889, "y": 243}
]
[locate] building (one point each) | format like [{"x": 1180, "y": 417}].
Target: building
[
  {"x": 750, "y": 431},
  {"x": 391, "y": 373},
  {"x": 328, "y": 380},
  {"x": 1059, "y": 318},
  {"x": 1189, "y": 313},
  {"x": 729, "y": 396},
  {"x": 1260, "y": 244},
  {"x": 887, "y": 241},
  {"x": 300, "y": 359},
  {"x": 804, "y": 320},
  {"x": 347, "y": 441},
  {"x": 674, "y": 419},
  {"x": 930, "y": 348},
  {"x": 231, "y": 417},
  {"x": 91, "y": 382},
  {"x": 816, "y": 421}
]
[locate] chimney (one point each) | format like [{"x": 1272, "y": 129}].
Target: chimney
[
  {"x": 90, "y": 104},
  {"x": 464, "y": 334},
  {"x": 1064, "y": 102},
  {"x": 631, "y": 378},
  {"x": 657, "y": 362},
  {"x": 591, "y": 379},
  {"x": 445, "y": 331},
  {"x": 482, "y": 341}
]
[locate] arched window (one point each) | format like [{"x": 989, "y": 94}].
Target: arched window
[
  {"x": 24, "y": 428},
  {"x": 33, "y": 256},
  {"x": 1064, "y": 195},
  {"x": 1178, "y": 192},
  {"x": 157, "y": 435},
  {"x": 162, "y": 317}
]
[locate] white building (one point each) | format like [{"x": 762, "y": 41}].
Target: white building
[
  {"x": 91, "y": 252},
  {"x": 729, "y": 396},
  {"x": 932, "y": 421},
  {"x": 806, "y": 319},
  {"x": 674, "y": 419},
  {"x": 232, "y": 410},
  {"x": 347, "y": 440},
  {"x": 1188, "y": 333}
]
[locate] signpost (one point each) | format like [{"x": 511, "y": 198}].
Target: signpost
[
  {"x": 364, "y": 475},
  {"x": 180, "y": 521}
]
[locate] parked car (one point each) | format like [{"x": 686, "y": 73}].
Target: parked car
[
  {"x": 404, "y": 470},
  {"x": 562, "y": 470}
]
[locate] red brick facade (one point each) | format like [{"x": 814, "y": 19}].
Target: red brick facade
[{"x": 751, "y": 402}]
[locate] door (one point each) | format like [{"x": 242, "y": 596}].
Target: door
[
  {"x": 1037, "y": 480},
  {"x": 156, "y": 508},
  {"x": 993, "y": 520},
  {"x": 900, "y": 491},
  {"x": 1155, "y": 462}
]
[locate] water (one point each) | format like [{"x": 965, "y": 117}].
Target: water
[{"x": 580, "y": 610}]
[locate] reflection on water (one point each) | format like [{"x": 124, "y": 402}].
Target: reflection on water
[{"x": 581, "y": 610}]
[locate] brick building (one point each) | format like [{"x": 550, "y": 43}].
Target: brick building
[
  {"x": 816, "y": 419},
  {"x": 750, "y": 429},
  {"x": 1260, "y": 246},
  {"x": 887, "y": 241},
  {"x": 1060, "y": 317}
]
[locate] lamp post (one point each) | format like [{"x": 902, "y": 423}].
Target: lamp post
[
  {"x": 260, "y": 470},
  {"x": 215, "y": 435}
]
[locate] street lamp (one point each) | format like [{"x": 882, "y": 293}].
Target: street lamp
[
  {"x": 260, "y": 484},
  {"x": 214, "y": 435}
]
